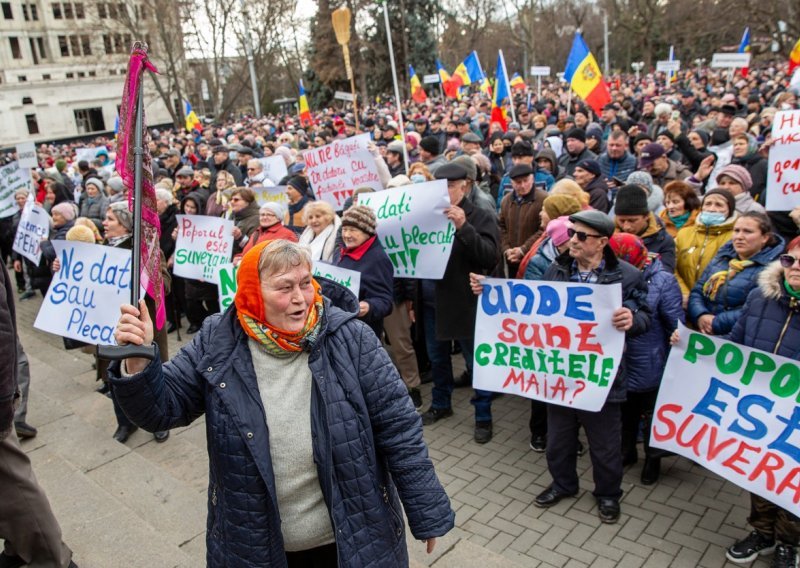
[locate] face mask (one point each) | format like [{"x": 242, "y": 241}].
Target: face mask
[
  {"x": 418, "y": 178},
  {"x": 710, "y": 219}
]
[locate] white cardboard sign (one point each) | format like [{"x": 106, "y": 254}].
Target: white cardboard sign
[
  {"x": 34, "y": 225},
  {"x": 203, "y": 244}
]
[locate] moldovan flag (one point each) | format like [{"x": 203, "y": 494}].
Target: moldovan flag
[
  {"x": 517, "y": 82},
  {"x": 794, "y": 58},
  {"x": 744, "y": 47},
  {"x": 501, "y": 92},
  {"x": 417, "y": 92},
  {"x": 192, "y": 122},
  {"x": 584, "y": 76},
  {"x": 450, "y": 89},
  {"x": 305, "y": 114},
  {"x": 468, "y": 71}
]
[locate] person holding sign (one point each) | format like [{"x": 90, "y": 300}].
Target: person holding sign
[
  {"x": 717, "y": 299},
  {"x": 118, "y": 226},
  {"x": 312, "y": 439},
  {"x": 769, "y": 321},
  {"x": 448, "y": 306},
  {"x": 363, "y": 252},
  {"x": 591, "y": 260}
]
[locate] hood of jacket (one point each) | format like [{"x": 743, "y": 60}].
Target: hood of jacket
[
  {"x": 771, "y": 281},
  {"x": 198, "y": 198}
]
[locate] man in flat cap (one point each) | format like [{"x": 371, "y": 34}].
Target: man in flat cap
[
  {"x": 449, "y": 306},
  {"x": 520, "y": 224},
  {"x": 591, "y": 260}
]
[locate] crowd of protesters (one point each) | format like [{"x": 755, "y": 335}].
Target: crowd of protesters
[{"x": 663, "y": 191}]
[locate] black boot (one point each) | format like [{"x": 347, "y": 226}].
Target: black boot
[{"x": 651, "y": 470}]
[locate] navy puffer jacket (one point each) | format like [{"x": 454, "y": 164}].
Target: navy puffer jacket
[
  {"x": 368, "y": 443},
  {"x": 646, "y": 354},
  {"x": 770, "y": 320},
  {"x": 727, "y": 307}
]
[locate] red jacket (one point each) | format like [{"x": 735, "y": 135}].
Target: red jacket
[{"x": 276, "y": 231}]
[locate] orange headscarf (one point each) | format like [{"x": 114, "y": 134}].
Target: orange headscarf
[{"x": 250, "y": 308}]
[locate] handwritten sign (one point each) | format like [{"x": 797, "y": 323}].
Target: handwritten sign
[
  {"x": 26, "y": 155},
  {"x": 413, "y": 228},
  {"x": 12, "y": 178},
  {"x": 84, "y": 297},
  {"x": 34, "y": 225},
  {"x": 203, "y": 244},
  {"x": 783, "y": 177},
  {"x": 733, "y": 410},
  {"x": 549, "y": 341},
  {"x": 350, "y": 279},
  {"x": 226, "y": 280},
  {"x": 274, "y": 168},
  {"x": 87, "y": 154},
  {"x": 337, "y": 169},
  {"x": 275, "y": 194},
  {"x": 226, "y": 284}
]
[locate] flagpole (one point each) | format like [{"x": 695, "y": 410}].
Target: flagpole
[
  {"x": 119, "y": 352},
  {"x": 396, "y": 88},
  {"x": 508, "y": 86},
  {"x": 671, "y": 58}
]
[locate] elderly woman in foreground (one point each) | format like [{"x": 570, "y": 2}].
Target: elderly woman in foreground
[{"x": 313, "y": 441}]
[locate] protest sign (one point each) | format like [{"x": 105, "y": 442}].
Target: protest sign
[
  {"x": 271, "y": 194},
  {"x": 34, "y": 225},
  {"x": 85, "y": 295},
  {"x": 87, "y": 154},
  {"x": 724, "y": 154},
  {"x": 413, "y": 228},
  {"x": 226, "y": 283},
  {"x": 203, "y": 244},
  {"x": 337, "y": 169},
  {"x": 733, "y": 410},
  {"x": 226, "y": 280},
  {"x": 350, "y": 279},
  {"x": 549, "y": 341},
  {"x": 274, "y": 168},
  {"x": 26, "y": 155},
  {"x": 783, "y": 176},
  {"x": 12, "y": 178}
]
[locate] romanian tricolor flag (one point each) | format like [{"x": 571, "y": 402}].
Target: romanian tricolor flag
[
  {"x": 794, "y": 58},
  {"x": 584, "y": 76},
  {"x": 192, "y": 122},
  {"x": 486, "y": 87},
  {"x": 417, "y": 92},
  {"x": 449, "y": 89},
  {"x": 517, "y": 82},
  {"x": 744, "y": 47},
  {"x": 501, "y": 93},
  {"x": 468, "y": 71},
  {"x": 305, "y": 114}
]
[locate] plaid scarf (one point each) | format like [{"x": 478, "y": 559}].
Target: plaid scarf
[{"x": 717, "y": 280}]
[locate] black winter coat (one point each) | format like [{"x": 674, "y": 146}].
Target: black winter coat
[
  {"x": 634, "y": 297},
  {"x": 476, "y": 248},
  {"x": 368, "y": 445},
  {"x": 168, "y": 224},
  {"x": 8, "y": 353}
]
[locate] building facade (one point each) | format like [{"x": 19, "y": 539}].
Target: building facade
[{"x": 63, "y": 65}]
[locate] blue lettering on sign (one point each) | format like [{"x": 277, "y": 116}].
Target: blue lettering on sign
[{"x": 522, "y": 299}]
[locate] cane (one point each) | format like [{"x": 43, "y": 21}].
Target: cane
[{"x": 119, "y": 352}]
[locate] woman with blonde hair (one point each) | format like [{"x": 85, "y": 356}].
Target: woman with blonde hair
[
  {"x": 217, "y": 203},
  {"x": 322, "y": 226},
  {"x": 86, "y": 222},
  {"x": 571, "y": 188}
]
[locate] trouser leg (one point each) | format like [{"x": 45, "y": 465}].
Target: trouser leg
[
  {"x": 27, "y": 523},
  {"x": 397, "y": 326},
  {"x": 562, "y": 448},
  {"x": 604, "y": 432},
  {"x": 441, "y": 364},
  {"x": 24, "y": 383},
  {"x": 538, "y": 421}
]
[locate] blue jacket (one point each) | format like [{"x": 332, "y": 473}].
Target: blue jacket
[
  {"x": 377, "y": 283},
  {"x": 770, "y": 319},
  {"x": 368, "y": 443},
  {"x": 646, "y": 354},
  {"x": 620, "y": 168},
  {"x": 634, "y": 297},
  {"x": 544, "y": 257},
  {"x": 730, "y": 300}
]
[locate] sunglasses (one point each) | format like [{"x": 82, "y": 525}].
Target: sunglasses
[
  {"x": 581, "y": 235},
  {"x": 787, "y": 260}
]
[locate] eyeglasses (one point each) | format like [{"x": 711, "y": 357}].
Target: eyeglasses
[
  {"x": 787, "y": 260},
  {"x": 581, "y": 235},
  {"x": 235, "y": 199}
]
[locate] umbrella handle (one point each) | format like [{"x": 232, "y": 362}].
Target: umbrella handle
[{"x": 120, "y": 352}]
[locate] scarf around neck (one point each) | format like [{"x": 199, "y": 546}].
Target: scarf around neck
[
  {"x": 250, "y": 311},
  {"x": 717, "y": 280}
]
